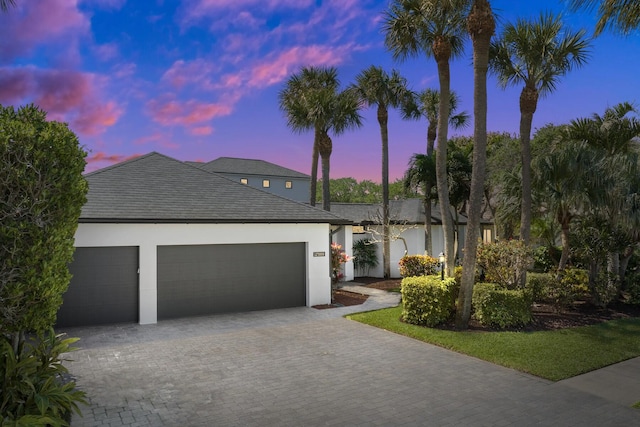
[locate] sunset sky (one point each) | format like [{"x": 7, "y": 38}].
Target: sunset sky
[{"x": 199, "y": 79}]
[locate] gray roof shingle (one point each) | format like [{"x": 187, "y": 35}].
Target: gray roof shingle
[
  {"x": 249, "y": 167},
  {"x": 157, "y": 188}
]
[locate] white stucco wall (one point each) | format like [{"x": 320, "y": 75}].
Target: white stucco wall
[
  {"x": 343, "y": 235},
  {"x": 149, "y": 236}
]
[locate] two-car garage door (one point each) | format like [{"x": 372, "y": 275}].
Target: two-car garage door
[
  {"x": 205, "y": 279},
  {"x": 192, "y": 280}
]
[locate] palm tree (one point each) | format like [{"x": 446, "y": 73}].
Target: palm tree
[
  {"x": 619, "y": 15},
  {"x": 481, "y": 26},
  {"x": 613, "y": 132},
  {"x": 375, "y": 87},
  {"x": 434, "y": 28},
  {"x": 427, "y": 106},
  {"x": 5, "y": 4},
  {"x": 421, "y": 174},
  {"x": 311, "y": 100},
  {"x": 535, "y": 54}
]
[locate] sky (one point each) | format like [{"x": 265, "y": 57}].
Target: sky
[{"x": 199, "y": 79}]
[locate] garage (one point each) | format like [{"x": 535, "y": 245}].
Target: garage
[
  {"x": 195, "y": 280},
  {"x": 103, "y": 289}
]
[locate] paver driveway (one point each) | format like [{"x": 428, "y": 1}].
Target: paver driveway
[{"x": 303, "y": 367}]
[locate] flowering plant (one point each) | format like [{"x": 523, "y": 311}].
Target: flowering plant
[{"x": 338, "y": 257}]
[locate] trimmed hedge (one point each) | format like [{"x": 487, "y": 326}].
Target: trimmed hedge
[
  {"x": 417, "y": 265},
  {"x": 539, "y": 285},
  {"x": 428, "y": 300},
  {"x": 498, "y": 307}
]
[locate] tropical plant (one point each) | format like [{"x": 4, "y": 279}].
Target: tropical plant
[
  {"x": 427, "y": 106},
  {"x": 618, "y": 15},
  {"x": 504, "y": 262},
  {"x": 435, "y": 28},
  {"x": 338, "y": 257},
  {"x": 311, "y": 100},
  {"x": 481, "y": 26},
  {"x": 5, "y": 4},
  {"x": 375, "y": 87},
  {"x": 364, "y": 256},
  {"x": 535, "y": 54}
]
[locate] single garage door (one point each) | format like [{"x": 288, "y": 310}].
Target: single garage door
[
  {"x": 208, "y": 279},
  {"x": 104, "y": 287}
]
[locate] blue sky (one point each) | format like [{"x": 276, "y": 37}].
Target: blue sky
[{"x": 199, "y": 79}]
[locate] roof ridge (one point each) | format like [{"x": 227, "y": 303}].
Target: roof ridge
[{"x": 125, "y": 162}]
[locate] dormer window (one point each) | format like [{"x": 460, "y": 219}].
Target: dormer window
[
  {"x": 288, "y": 185},
  {"x": 244, "y": 181},
  {"x": 266, "y": 183}
]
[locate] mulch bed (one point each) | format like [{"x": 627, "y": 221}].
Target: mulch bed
[
  {"x": 342, "y": 298},
  {"x": 545, "y": 318}
]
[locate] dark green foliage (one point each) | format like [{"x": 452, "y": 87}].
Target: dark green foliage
[
  {"x": 504, "y": 262},
  {"x": 632, "y": 289},
  {"x": 33, "y": 389},
  {"x": 543, "y": 261},
  {"x": 428, "y": 300},
  {"x": 417, "y": 265},
  {"x": 503, "y": 308},
  {"x": 539, "y": 286},
  {"x": 43, "y": 190},
  {"x": 364, "y": 256},
  {"x": 570, "y": 285}
]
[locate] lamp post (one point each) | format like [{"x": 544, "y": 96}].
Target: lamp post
[{"x": 442, "y": 259}]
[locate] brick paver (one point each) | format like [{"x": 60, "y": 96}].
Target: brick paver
[{"x": 307, "y": 367}]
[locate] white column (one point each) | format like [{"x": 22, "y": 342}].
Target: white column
[{"x": 148, "y": 283}]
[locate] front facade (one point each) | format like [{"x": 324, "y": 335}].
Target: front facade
[{"x": 161, "y": 239}]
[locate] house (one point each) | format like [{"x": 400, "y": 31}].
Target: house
[
  {"x": 159, "y": 238},
  {"x": 407, "y": 221},
  {"x": 270, "y": 177}
]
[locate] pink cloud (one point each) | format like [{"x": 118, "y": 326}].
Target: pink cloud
[
  {"x": 172, "y": 112},
  {"x": 197, "y": 72},
  {"x": 97, "y": 160},
  {"x": 107, "y": 51},
  {"x": 106, "y": 4},
  {"x": 47, "y": 21},
  {"x": 277, "y": 69},
  {"x": 201, "y": 131},
  {"x": 66, "y": 95}
]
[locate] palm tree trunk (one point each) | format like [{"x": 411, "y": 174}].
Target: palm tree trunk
[
  {"x": 431, "y": 140},
  {"x": 528, "y": 105},
  {"x": 383, "y": 118},
  {"x": 442, "y": 53},
  {"x": 313, "y": 187},
  {"x": 564, "y": 238},
  {"x": 481, "y": 26},
  {"x": 325, "y": 148}
]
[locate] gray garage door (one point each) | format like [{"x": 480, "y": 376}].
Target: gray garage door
[
  {"x": 208, "y": 279},
  {"x": 104, "y": 287}
]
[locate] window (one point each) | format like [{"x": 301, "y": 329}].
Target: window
[
  {"x": 487, "y": 236},
  {"x": 244, "y": 181},
  {"x": 266, "y": 183},
  {"x": 288, "y": 185}
]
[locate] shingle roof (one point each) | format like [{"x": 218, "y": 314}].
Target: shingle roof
[
  {"x": 157, "y": 188},
  {"x": 410, "y": 211},
  {"x": 249, "y": 167}
]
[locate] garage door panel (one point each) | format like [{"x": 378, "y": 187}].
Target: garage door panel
[
  {"x": 103, "y": 289},
  {"x": 207, "y": 279}
]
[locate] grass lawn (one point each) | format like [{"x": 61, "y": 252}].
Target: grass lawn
[{"x": 554, "y": 355}]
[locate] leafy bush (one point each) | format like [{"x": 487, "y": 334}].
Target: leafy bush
[
  {"x": 543, "y": 261},
  {"x": 538, "y": 286},
  {"x": 504, "y": 262},
  {"x": 498, "y": 307},
  {"x": 365, "y": 256},
  {"x": 605, "y": 289},
  {"x": 417, "y": 265},
  {"x": 570, "y": 285},
  {"x": 632, "y": 289},
  {"x": 33, "y": 388},
  {"x": 428, "y": 300}
]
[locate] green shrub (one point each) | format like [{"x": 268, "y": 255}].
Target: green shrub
[
  {"x": 33, "y": 388},
  {"x": 504, "y": 262},
  {"x": 498, "y": 307},
  {"x": 543, "y": 261},
  {"x": 428, "y": 300},
  {"x": 605, "y": 289},
  {"x": 632, "y": 289},
  {"x": 417, "y": 265},
  {"x": 364, "y": 256},
  {"x": 570, "y": 285},
  {"x": 538, "y": 286}
]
